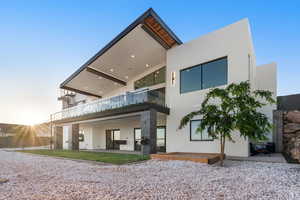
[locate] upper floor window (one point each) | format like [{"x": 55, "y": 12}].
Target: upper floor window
[
  {"x": 202, "y": 76},
  {"x": 156, "y": 77}
]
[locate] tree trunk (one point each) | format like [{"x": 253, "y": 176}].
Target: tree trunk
[{"x": 222, "y": 143}]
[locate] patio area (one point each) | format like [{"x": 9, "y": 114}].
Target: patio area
[{"x": 33, "y": 177}]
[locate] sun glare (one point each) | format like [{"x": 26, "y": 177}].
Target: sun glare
[{"x": 31, "y": 120}]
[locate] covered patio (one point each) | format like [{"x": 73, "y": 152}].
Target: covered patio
[{"x": 140, "y": 132}]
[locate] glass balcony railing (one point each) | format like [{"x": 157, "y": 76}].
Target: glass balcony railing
[{"x": 130, "y": 98}]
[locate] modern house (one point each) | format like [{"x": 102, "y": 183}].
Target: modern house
[{"x": 133, "y": 93}]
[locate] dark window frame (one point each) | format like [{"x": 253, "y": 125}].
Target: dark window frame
[
  {"x": 193, "y": 140},
  {"x": 164, "y": 127},
  {"x": 200, "y": 65}
]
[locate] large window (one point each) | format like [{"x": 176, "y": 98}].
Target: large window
[
  {"x": 156, "y": 77},
  {"x": 207, "y": 75},
  {"x": 160, "y": 139},
  {"x": 198, "y": 136}
]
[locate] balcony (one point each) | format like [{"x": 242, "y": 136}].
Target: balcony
[{"x": 144, "y": 97}]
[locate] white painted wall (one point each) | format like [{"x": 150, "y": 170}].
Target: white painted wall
[
  {"x": 266, "y": 79},
  {"x": 87, "y": 143},
  {"x": 233, "y": 41}
]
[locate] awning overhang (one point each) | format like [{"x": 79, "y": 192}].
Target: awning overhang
[{"x": 146, "y": 39}]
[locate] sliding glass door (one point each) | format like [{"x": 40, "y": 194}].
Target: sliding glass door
[
  {"x": 112, "y": 138},
  {"x": 160, "y": 139}
]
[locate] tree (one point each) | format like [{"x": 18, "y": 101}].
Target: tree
[{"x": 234, "y": 108}]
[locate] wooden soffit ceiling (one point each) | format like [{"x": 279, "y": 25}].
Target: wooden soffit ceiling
[{"x": 151, "y": 23}]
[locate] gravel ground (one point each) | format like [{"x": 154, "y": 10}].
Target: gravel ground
[{"x": 43, "y": 178}]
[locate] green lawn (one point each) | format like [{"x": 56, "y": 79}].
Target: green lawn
[{"x": 114, "y": 158}]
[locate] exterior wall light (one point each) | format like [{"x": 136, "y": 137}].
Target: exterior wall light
[{"x": 173, "y": 79}]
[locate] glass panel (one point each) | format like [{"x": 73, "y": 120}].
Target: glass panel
[
  {"x": 153, "y": 78},
  {"x": 160, "y": 76},
  {"x": 161, "y": 134},
  {"x": 194, "y": 125},
  {"x": 198, "y": 135},
  {"x": 205, "y": 135},
  {"x": 214, "y": 73},
  {"x": 116, "y": 135},
  {"x": 137, "y": 139},
  {"x": 100, "y": 105},
  {"x": 160, "y": 140},
  {"x": 137, "y": 134},
  {"x": 190, "y": 79}
]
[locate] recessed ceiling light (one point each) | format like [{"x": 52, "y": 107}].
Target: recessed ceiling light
[
  {"x": 99, "y": 77},
  {"x": 132, "y": 56},
  {"x": 115, "y": 83},
  {"x": 112, "y": 70},
  {"x": 126, "y": 77},
  {"x": 147, "y": 65}
]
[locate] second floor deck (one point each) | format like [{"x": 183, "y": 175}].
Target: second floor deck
[{"x": 129, "y": 99}]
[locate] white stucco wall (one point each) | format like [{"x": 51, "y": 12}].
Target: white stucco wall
[
  {"x": 266, "y": 79},
  {"x": 233, "y": 41},
  {"x": 87, "y": 143}
]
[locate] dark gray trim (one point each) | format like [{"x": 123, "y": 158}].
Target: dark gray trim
[
  {"x": 80, "y": 91},
  {"x": 117, "y": 111},
  {"x": 138, "y": 21},
  {"x": 106, "y": 76}
]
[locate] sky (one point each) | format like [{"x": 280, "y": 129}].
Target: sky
[{"x": 43, "y": 42}]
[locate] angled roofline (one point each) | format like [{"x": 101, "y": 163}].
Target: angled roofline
[{"x": 139, "y": 20}]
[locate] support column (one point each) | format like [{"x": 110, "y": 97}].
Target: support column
[
  {"x": 148, "y": 131},
  {"x": 74, "y": 137},
  {"x": 58, "y": 137}
]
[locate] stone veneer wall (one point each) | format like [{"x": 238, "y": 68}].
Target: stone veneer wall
[{"x": 291, "y": 135}]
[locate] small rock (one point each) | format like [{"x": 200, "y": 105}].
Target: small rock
[
  {"x": 293, "y": 116},
  {"x": 291, "y": 128},
  {"x": 3, "y": 180}
]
